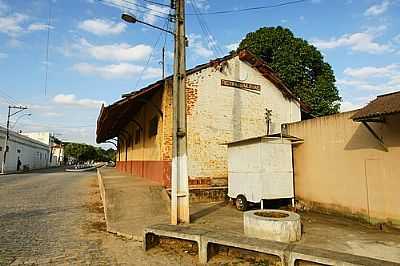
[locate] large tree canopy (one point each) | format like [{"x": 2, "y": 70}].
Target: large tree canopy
[
  {"x": 84, "y": 152},
  {"x": 299, "y": 64}
]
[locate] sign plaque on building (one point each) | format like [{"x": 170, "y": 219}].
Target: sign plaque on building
[{"x": 241, "y": 85}]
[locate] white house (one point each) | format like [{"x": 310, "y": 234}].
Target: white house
[
  {"x": 31, "y": 154},
  {"x": 56, "y": 147}
]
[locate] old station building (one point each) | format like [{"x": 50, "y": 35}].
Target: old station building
[{"x": 228, "y": 99}]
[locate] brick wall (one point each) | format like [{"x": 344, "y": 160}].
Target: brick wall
[
  {"x": 218, "y": 114},
  {"x": 215, "y": 115}
]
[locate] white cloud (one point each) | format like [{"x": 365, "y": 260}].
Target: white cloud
[
  {"x": 397, "y": 39},
  {"x": 102, "y": 26},
  {"x": 358, "y": 42},
  {"x": 3, "y": 7},
  {"x": 349, "y": 106},
  {"x": 377, "y": 9},
  {"x": 11, "y": 25},
  {"x": 232, "y": 46},
  {"x": 3, "y": 55},
  {"x": 371, "y": 79},
  {"x": 39, "y": 27},
  {"x": 121, "y": 70},
  {"x": 153, "y": 13},
  {"x": 52, "y": 114},
  {"x": 202, "y": 5},
  {"x": 118, "y": 51},
  {"x": 196, "y": 43},
  {"x": 370, "y": 71},
  {"x": 71, "y": 100}
]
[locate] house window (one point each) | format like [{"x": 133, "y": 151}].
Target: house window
[
  {"x": 137, "y": 136},
  {"x": 18, "y": 151},
  {"x": 1, "y": 148},
  {"x": 153, "y": 126}
]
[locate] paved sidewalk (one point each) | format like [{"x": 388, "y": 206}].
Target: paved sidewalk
[
  {"x": 134, "y": 203},
  {"x": 320, "y": 231},
  {"x": 131, "y": 203}
]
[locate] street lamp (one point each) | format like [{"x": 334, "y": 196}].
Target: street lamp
[
  {"x": 132, "y": 19},
  {"x": 18, "y": 118}
]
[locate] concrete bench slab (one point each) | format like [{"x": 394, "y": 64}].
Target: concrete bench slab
[{"x": 287, "y": 253}]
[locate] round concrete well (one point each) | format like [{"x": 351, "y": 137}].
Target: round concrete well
[{"x": 275, "y": 225}]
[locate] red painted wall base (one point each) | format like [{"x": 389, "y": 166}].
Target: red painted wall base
[{"x": 158, "y": 171}]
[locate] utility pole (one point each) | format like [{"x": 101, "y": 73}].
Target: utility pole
[
  {"x": 163, "y": 62},
  {"x": 20, "y": 109},
  {"x": 179, "y": 182}
]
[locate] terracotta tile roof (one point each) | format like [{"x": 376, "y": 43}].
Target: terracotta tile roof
[
  {"x": 112, "y": 118},
  {"x": 383, "y": 105}
]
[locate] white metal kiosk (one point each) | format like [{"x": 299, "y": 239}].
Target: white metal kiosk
[{"x": 260, "y": 168}]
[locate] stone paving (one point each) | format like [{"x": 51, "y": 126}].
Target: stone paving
[{"x": 57, "y": 218}]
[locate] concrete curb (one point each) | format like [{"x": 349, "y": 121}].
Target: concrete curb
[
  {"x": 102, "y": 195},
  {"x": 105, "y": 208}
]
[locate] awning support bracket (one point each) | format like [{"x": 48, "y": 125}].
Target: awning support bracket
[
  {"x": 137, "y": 124},
  {"x": 151, "y": 104},
  {"x": 380, "y": 140}
]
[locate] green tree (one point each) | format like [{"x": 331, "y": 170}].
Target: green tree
[
  {"x": 84, "y": 152},
  {"x": 299, "y": 64}
]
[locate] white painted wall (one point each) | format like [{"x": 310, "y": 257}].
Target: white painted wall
[
  {"x": 56, "y": 151},
  {"x": 32, "y": 153},
  {"x": 221, "y": 114}
]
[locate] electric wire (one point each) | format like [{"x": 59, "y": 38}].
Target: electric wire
[
  {"x": 136, "y": 9},
  {"x": 10, "y": 100},
  {"x": 155, "y": 3},
  {"x": 249, "y": 8},
  {"x": 47, "y": 51},
  {"x": 151, "y": 55},
  {"x": 145, "y": 7},
  {"x": 129, "y": 8},
  {"x": 165, "y": 49},
  {"x": 217, "y": 51}
]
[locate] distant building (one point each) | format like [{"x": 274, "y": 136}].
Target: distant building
[
  {"x": 56, "y": 147},
  {"x": 228, "y": 99},
  {"x": 23, "y": 153}
]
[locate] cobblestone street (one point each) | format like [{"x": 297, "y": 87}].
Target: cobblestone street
[{"x": 54, "y": 217}]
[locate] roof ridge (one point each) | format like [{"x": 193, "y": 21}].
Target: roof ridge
[{"x": 387, "y": 94}]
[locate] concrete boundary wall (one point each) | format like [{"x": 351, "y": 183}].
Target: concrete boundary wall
[{"x": 342, "y": 168}]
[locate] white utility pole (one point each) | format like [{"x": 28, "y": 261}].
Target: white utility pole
[{"x": 179, "y": 182}]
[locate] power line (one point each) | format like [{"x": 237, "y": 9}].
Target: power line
[
  {"x": 8, "y": 98},
  {"x": 47, "y": 50},
  {"x": 249, "y": 8},
  {"x": 155, "y": 3},
  {"x": 204, "y": 27},
  {"x": 145, "y": 7},
  {"x": 137, "y": 9},
  {"x": 166, "y": 24}
]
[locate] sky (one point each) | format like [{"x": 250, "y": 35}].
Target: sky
[{"x": 64, "y": 68}]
